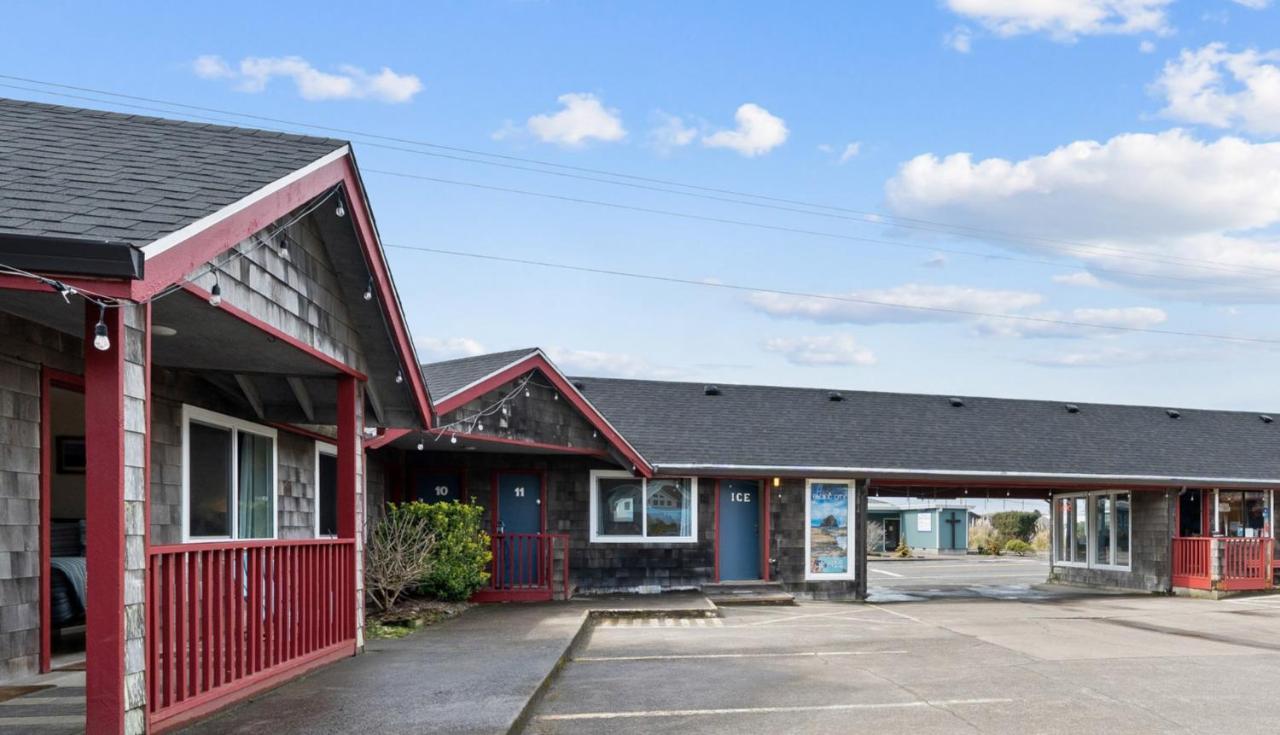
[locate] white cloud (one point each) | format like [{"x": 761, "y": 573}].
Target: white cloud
[
  {"x": 672, "y": 132},
  {"x": 1196, "y": 88},
  {"x": 1253, "y": 4},
  {"x": 930, "y": 304},
  {"x": 937, "y": 260},
  {"x": 446, "y": 348},
  {"x": 1105, "y": 357},
  {"x": 821, "y": 351},
  {"x": 1147, "y": 47},
  {"x": 254, "y": 73},
  {"x": 1159, "y": 204},
  {"x": 1083, "y": 279},
  {"x": 607, "y": 364},
  {"x": 1065, "y": 20},
  {"x": 1133, "y": 317},
  {"x": 960, "y": 39},
  {"x": 757, "y": 133},
  {"x": 583, "y": 118},
  {"x": 851, "y": 150}
]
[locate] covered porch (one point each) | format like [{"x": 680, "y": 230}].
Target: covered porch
[{"x": 1225, "y": 540}]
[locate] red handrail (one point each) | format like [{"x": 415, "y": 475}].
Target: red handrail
[
  {"x": 1246, "y": 563},
  {"x": 226, "y": 614}
]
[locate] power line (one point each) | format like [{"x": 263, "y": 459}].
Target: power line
[
  {"x": 861, "y": 215},
  {"x": 787, "y": 228},
  {"x": 828, "y": 297}
]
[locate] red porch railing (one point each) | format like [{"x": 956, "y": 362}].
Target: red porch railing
[
  {"x": 1246, "y": 563},
  {"x": 1191, "y": 563},
  {"x": 524, "y": 567},
  {"x": 226, "y": 617}
]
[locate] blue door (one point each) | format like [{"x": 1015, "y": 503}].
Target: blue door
[
  {"x": 739, "y": 529},
  {"x": 437, "y": 487},
  {"x": 519, "y": 516}
]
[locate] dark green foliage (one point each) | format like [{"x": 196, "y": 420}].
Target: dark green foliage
[
  {"x": 1016, "y": 524},
  {"x": 1018, "y": 547},
  {"x": 460, "y": 563}
]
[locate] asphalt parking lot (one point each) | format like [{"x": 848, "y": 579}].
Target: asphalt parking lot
[
  {"x": 1004, "y": 577},
  {"x": 1070, "y": 663}
]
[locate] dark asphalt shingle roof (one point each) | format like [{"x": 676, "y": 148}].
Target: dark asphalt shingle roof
[
  {"x": 447, "y": 377},
  {"x": 675, "y": 423},
  {"x": 92, "y": 174}
]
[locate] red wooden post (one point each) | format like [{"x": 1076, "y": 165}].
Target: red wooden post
[
  {"x": 348, "y": 449},
  {"x": 104, "y": 513}
]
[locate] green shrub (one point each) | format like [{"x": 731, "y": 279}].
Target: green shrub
[
  {"x": 1016, "y": 524},
  {"x": 1018, "y": 547},
  {"x": 460, "y": 558}
]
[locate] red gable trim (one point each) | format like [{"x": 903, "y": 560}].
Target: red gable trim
[
  {"x": 538, "y": 361},
  {"x": 172, "y": 264}
]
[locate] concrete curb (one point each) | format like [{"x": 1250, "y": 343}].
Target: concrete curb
[{"x": 586, "y": 626}]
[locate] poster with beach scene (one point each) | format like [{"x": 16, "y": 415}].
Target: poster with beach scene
[{"x": 828, "y": 509}]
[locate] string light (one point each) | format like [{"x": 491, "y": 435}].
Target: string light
[
  {"x": 368, "y": 290},
  {"x": 284, "y": 246},
  {"x": 215, "y": 293},
  {"x": 340, "y": 210},
  {"x": 453, "y": 439},
  {"x": 101, "y": 341},
  {"x": 399, "y": 377},
  {"x": 421, "y": 444}
]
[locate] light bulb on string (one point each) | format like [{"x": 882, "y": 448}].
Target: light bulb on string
[
  {"x": 479, "y": 426},
  {"x": 526, "y": 392},
  {"x": 399, "y": 377},
  {"x": 453, "y": 439},
  {"x": 284, "y": 246},
  {"x": 101, "y": 341},
  {"x": 215, "y": 293},
  {"x": 340, "y": 210},
  {"x": 421, "y": 444},
  {"x": 368, "y": 290}
]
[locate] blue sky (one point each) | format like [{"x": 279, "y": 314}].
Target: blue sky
[{"x": 1168, "y": 219}]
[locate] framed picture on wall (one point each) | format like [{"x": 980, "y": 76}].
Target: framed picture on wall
[{"x": 69, "y": 454}]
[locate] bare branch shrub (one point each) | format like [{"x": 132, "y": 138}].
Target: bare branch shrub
[
  {"x": 397, "y": 556},
  {"x": 875, "y": 537}
]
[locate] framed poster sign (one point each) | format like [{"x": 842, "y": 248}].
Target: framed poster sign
[{"x": 829, "y": 538}]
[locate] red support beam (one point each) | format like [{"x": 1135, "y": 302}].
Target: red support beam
[
  {"x": 349, "y": 446},
  {"x": 104, "y": 534}
]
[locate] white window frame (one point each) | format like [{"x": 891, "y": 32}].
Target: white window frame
[
  {"x": 1091, "y": 552},
  {"x": 852, "y": 572},
  {"x": 194, "y": 414},
  {"x": 330, "y": 450},
  {"x": 597, "y": 538}
]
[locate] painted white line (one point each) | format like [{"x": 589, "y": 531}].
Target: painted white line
[
  {"x": 886, "y": 571},
  {"x": 70, "y": 720},
  {"x": 695, "y": 656},
  {"x": 770, "y": 710}
]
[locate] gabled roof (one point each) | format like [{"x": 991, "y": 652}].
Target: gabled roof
[
  {"x": 457, "y": 382},
  {"x": 95, "y": 175},
  {"x": 751, "y": 428},
  {"x": 448, "y": 377}
]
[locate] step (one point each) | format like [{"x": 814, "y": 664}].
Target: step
[{"x": 748, "y": 593}]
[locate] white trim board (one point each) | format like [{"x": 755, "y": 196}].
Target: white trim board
[{"x": 230, "y": 423}]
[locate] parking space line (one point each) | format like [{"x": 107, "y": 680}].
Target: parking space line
[
  {"x": 769, "y": 710},
  {"x": 886, "y": 571},
  {"x": 694, "y": 656}
]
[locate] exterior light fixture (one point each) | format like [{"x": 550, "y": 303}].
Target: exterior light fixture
[
  {"x": 101, "y": 341},
  {"x": 215, "y": 293},
  {"x": 777, "y": 482},
  {"x": 340, "y": 210},
  {"x": 368, "y": 290}
]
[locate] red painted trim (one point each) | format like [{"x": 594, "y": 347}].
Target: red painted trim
[
  {"x": 385, "y": 438},
  {"x": 172, "y": 266},
  {"x": 536, "y": 361},
  {"x": 202, "y": 706},
  {"x": 112, "y": 288},
  {"x": 298, "y": 430},
  {"x": 105, "y": 525},
  {"x": 348, "y": 443},
  {"x": 362, "y": 219},
  {"x": 716, "y": 487},
  {"x": 288, "y": 339},
  {"x": 49, "y": 379}
]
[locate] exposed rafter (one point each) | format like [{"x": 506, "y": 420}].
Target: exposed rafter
[
  {"x": 251, "y": 395},
  {"x": 303, "y": 397}
]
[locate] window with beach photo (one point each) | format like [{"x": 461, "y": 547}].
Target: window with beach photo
[{"x": 829, "y": 541}]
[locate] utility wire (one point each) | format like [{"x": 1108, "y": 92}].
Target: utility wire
[
  {"x": 859, "y": 215},
  {"x": 829, "y": 297}
]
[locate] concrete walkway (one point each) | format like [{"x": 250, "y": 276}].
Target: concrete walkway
[{"x": 478, "y": 673}]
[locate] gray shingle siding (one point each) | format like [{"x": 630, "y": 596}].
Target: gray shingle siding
[{"x": 106, "y": 175}]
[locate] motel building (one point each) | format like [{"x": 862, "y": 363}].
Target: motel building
[{"x": 207, "y": 387}]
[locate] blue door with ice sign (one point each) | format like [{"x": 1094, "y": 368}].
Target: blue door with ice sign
[
  {"x": 739, "y": 529},
  {"x": 437, "y": 487},
  {"x": 519, "y": 522}
]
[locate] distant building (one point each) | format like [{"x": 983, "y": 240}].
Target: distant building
[{"x": 934, "y": 528}]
